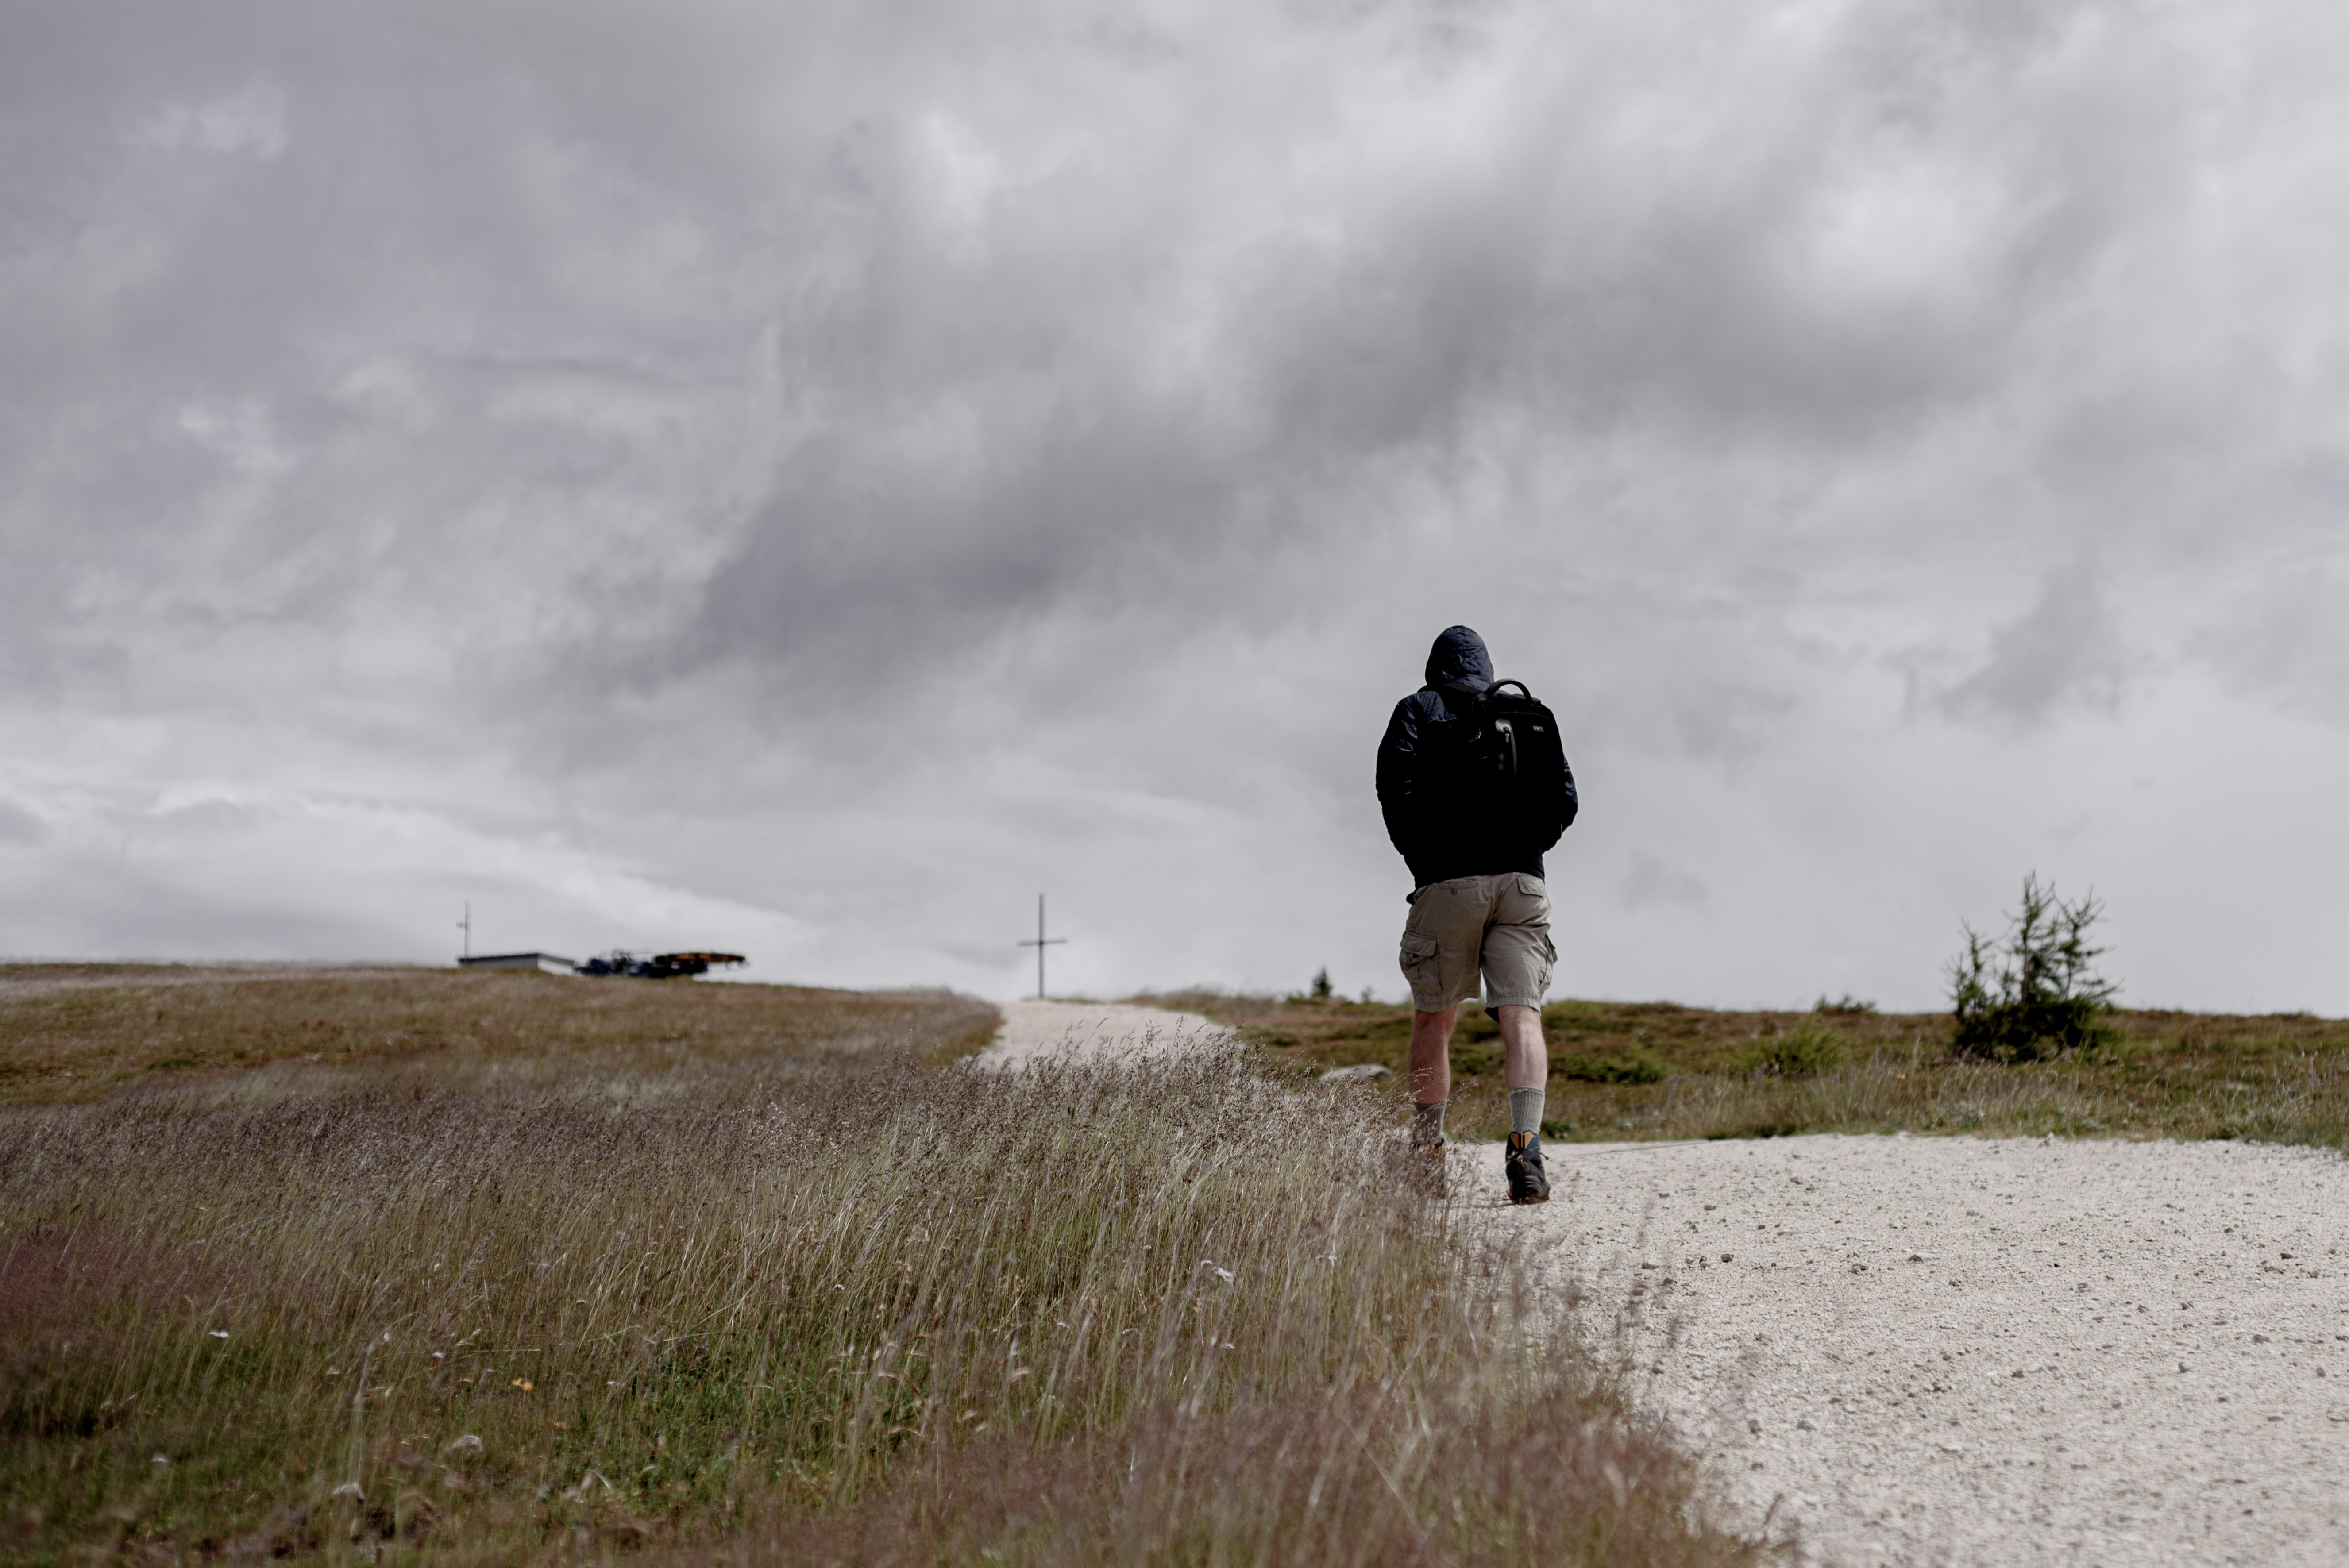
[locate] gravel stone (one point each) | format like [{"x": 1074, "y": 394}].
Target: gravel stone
[{"x": 2085, "y": 1352}]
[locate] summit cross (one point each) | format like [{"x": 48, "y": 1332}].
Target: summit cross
[{"x": 1041, "y": 942}]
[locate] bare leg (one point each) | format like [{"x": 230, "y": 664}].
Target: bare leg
[
  {"x": 1521, "y": 1034},
  {"x": 1528, "y": 1074},
  {"x": 1431, "y": 1054}
]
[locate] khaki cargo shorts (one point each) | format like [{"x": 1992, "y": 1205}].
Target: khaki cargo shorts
[{"x": 1498, "y": 925}]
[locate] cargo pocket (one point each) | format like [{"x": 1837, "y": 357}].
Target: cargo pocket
[{"x": 1419, "y": 960}]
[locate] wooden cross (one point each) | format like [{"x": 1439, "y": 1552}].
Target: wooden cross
[{"x": 1041, "y": 942}]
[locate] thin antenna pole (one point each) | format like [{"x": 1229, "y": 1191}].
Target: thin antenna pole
[
  {"x": 1041, "y": 942},
  {"x": 466, "y": 925}
]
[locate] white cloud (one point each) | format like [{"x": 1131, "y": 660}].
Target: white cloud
[
  {"x": 1653, "y": 882},
  {"x": 239, "y": 431},
  {"x": 250, "y": 122}
]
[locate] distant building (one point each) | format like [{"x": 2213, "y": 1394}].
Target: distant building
[{"x": 545, "y": 963}]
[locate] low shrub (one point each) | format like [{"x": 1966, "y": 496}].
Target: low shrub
[
  {"x": 1803, "y": 1051},
  {"x": 1845, "y": 1006},
  {"x": 1638, "y": 1065}
]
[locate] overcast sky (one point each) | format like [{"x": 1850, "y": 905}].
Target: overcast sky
[{"x": 805, "y": 478}]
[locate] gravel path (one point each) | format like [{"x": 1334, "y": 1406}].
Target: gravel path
[
  {"x": 1951, "y": 1350},
  {"x": 1095, "y": 1031},
  {"x": 1945, "y": 1350}
]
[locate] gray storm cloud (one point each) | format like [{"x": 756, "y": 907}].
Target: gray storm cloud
[
  {"x": 826, "y": 470},
  {"x": 2062, "y": 650}
]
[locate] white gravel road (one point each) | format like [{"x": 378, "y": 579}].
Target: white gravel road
[
  {"x": 1095, "y": 1031},
  {"x": 1956, "y": 1351}
]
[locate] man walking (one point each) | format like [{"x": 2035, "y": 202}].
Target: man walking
[{"x": 1475, "y": 788}]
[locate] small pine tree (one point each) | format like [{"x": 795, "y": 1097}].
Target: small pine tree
[
  {"x": 1321, "y": 985},
  {"x": 2032, "y": 995}
]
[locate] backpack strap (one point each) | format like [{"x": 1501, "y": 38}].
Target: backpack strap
[{"x": 1497, "y": 686}]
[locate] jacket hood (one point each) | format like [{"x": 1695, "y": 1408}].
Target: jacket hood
[{"x": 1459, "y": 659}]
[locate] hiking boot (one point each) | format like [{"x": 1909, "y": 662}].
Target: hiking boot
[{"x": 1529, "y": 1183}]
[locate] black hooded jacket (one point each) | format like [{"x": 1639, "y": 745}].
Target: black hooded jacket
[{"x": 1441, "y": 839}]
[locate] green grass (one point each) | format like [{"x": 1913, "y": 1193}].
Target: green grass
[
  {"x": 1723, "y": 1073},
  {"x": 663, "y": 1289}
]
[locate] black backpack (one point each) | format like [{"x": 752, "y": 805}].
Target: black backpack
[{"x": 1503, "y": 769}]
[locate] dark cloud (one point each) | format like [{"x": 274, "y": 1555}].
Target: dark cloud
[
  {"x": 820, "y": 466},
  {"x": 2063, "y": 650}
]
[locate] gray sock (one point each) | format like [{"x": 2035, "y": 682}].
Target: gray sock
[
  {"x": 1426, "y": 1125},
  {"x": 1525, "y": 1110}
]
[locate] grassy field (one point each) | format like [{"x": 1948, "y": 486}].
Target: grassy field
[
  {"x": 80, "y": 1031},
  {"x": 500, "y": 1268},
  {"x": 1624, "y": 1070}
]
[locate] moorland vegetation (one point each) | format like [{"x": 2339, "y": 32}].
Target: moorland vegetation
[
  {"x": 493, "y": 1268},
  {"x": 2033, "y": 1044},
  {"x": 1623, "y": 1070}
]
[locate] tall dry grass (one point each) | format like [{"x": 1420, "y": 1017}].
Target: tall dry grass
[{"x": 848, "y": 1309}]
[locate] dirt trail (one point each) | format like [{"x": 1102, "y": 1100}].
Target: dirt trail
[{"x": 1963, "y": 1351}]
